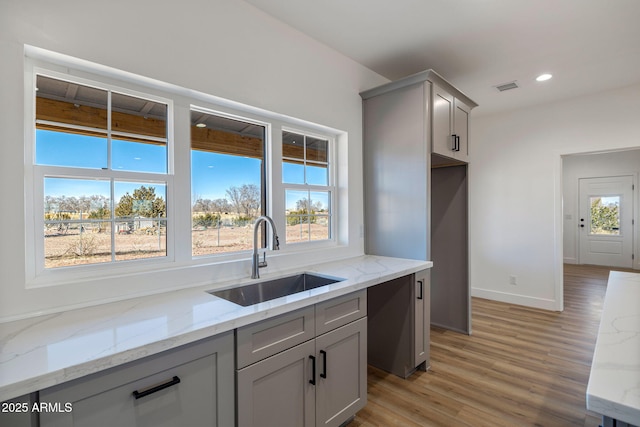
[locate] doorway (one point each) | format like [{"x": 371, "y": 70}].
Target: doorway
[{"x": 606, "y": 221}]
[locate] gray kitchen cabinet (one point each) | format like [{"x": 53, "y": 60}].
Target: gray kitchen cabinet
[
  {"x": 399, "y": 324},
  {"x": 319, "y": 382},
  {"x": 341, "y": 357},
  {"x": 187, "y": 386},
  {"x": 19, "y": 412},
  {"x": 415, "y": 184},
  {"x": 422, "y": 319},
  {"x": 450, "y": 125},
  {"x": 276, "y": 391}
]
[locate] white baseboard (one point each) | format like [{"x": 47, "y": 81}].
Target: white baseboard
[
  {"x": 542, "y": 303},
  {"x": 570, "y": 260}
]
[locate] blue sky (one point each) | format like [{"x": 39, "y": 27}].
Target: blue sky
[{"x": 212, "y": 173}]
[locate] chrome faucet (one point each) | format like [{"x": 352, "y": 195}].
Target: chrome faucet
[{"x": 275, "y": 245}]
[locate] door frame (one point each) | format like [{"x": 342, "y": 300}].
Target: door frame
[{"x": 558, "y": 226}]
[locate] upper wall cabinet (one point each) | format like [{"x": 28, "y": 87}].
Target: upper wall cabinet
[
  {"x": 445, "y": 113},
  {"x": 450, "y": 125}
]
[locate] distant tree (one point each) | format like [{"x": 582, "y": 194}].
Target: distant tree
[
  {"x": 201, "y": 205},
  {"x": 68, "y": 204},
  {"x": 221, "y": 205},
  {"x": 207, "y": 220},
  {"x": 125, "y": 206},
  {"x": 304, "y": 212},
  {"x": 245, "y": 199},
  {"x": 144, "y": 202},
  {"x": 208, "y": 205},
  {"x": 102, "y": 212},
  {"x": 305, "y": 205}
]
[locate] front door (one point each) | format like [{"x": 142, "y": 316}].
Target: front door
[{"x": 606, "y": 221}]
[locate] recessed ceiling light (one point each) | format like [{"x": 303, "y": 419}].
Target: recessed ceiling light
[
  {"x": 201, "y": 125},
  {"x": 543, "y": 77}
]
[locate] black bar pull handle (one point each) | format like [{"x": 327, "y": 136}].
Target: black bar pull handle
[
  {"x": 324, "y": 364},
  {"x": 457, "y": 142},
  {"x": 155, "y": 388},
  {"x": 312, "y": 381},
  {"x": 453, "y": 142},
  {"x": 421, "y": 294}
]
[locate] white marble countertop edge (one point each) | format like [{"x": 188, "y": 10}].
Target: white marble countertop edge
[{"x": 614, "y": 381}]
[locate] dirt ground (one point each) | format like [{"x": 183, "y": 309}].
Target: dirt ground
[{"x": 67, "y": 247}]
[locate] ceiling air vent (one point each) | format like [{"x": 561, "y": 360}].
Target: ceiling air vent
[{"x": 507, "y": 86}]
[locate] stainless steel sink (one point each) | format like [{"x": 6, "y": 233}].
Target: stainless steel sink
[{"x": 272, "y": 289}]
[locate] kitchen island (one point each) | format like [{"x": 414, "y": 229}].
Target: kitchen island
[{"x": 614, "y": 381}]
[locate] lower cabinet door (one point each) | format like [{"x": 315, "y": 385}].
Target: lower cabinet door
[
  {"x": 341, "y": 358},
  {"x": 422, "y": 301},
  {"x": 278, "y": 391},
  {"x": 191, "y": 393}
]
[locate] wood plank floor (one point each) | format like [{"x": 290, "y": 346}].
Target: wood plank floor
[{"x": 520, "y": 367}]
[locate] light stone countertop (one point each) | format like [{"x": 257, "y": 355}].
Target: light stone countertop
[
  {"x": 40, "y": 352},
  {"x": 614, "y": 382}
]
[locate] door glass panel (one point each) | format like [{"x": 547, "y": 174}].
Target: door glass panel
[{"x": 605, "y": 215}]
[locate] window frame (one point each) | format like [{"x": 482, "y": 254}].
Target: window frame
[
  {"x": 37, "y": 273},
  {"x": 331, "y": 186},
  {"x": 180, "y": 101},
  {"x": 267, "y": 169}
]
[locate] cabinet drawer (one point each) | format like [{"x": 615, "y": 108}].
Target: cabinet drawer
[
  {"x": 180, "y": 387},
  {"x": 339, "y": 311},
  {"x": 261, "y": 340}
]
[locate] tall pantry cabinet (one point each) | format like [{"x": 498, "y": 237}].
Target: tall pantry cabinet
[{"x": 416, "y": 139}]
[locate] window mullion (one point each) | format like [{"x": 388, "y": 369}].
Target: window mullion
[
  {"x": 109, "y": 156},
  {"x": 113, "y": 221}
]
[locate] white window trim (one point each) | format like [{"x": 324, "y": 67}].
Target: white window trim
[
  {"x": 331, "y": 187},
  {"x": 37, "y": 274},
  {"x": 40, "y": 61}
]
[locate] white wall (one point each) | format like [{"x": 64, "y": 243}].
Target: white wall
[
  {"x": 225, "y": 48},
  {"x": 515, "y": 180},
  {"x": 591, "y": 165}
]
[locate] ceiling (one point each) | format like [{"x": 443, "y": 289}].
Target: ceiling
[{"x": 588, "y": 45}]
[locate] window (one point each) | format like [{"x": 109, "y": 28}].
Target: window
[
  {"x": 227, "y": 182},
  {"x": 128, "y": 175},
  {"x": 605, "y": 215},
  {"x": 308, "y": 192},
  {"x": 101, "y": 171}
]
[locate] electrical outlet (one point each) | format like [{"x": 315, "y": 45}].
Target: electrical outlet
[{"x": 513, "y": 280}]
